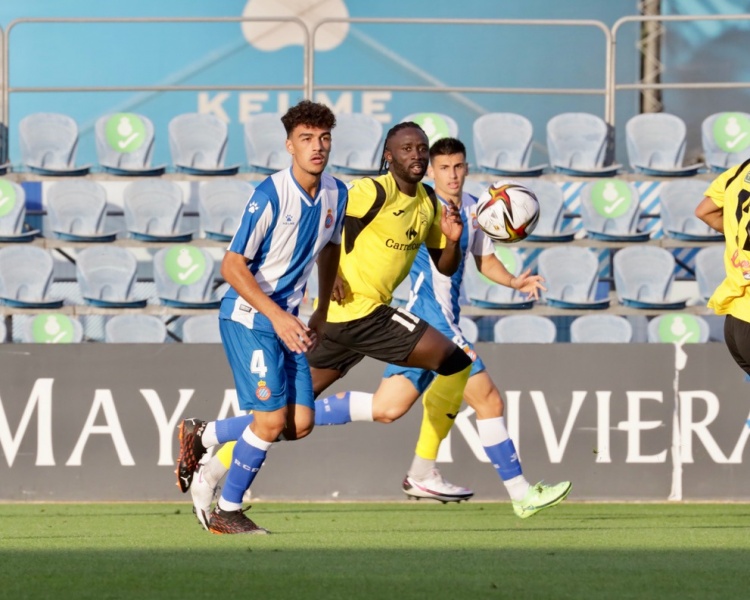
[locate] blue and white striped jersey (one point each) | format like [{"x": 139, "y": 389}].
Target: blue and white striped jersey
[
  {"x": 282, "y": 232},
  {"x": 434, "y": 297}
]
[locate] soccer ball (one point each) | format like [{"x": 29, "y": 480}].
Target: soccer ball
[{"x": 507, "y": 212}]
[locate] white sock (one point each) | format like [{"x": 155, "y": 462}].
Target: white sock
[
  {"x": 213, "y": 471},
  {"x": 208, "y": 437},
  {"x": 421, "y": 468},
  {"x": 491, "y": 433},
  {"x": 360, "y": 406}
]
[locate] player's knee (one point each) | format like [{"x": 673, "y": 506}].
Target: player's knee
[
  {"x": 456, "y": 362},
  {"x": 488, "y": 406}
]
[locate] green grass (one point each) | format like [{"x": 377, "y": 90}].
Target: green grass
[{"x": 397, "y": 550}]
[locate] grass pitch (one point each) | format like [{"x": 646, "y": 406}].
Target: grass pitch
[{"x": 398, "y": 550}]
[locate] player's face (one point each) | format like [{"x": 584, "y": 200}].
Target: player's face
[
  {"x": 408, "y": 154},
  {"x": 449, "y": 172},
  {"x": 309, "y": 147}
]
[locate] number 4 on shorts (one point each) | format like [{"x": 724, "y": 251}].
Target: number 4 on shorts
[{"x": 258, "y": 364}]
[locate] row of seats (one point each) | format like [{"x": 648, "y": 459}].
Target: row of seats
[
  {"x": 578, "y": 144},
  {"x": 56, "y": 328}
]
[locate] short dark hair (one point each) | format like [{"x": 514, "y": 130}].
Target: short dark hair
[
  {"x": 446, "y": 147},
  {"x": 313, "y": 114},
  {"x": 391, "y": 132}
]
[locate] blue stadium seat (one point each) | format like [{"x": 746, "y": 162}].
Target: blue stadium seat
[
  {"x": 486, "y": 294},
  {"x": 709, "y": 270},
  {"x": 153, "y": 211},
  {"x": 656, "y": 145},
  {"x": 435, "y": 125},
  {"x": 201, "y": 329},
  {"x": 571, "y": 275},
  {"x": 469, "y": 329},
  {"x": 77, "y": 210},
  {"x": 726, "y": 139},
  {"x": 198, "y": 143},
  {"x": 25, "y": 277},
  {"x": 579, "y": 145},
  {"x": 135, "y": 329},
  {"x": 601, "y": 329},
  {"x": 502, "y": 145},
  {"x": 52, "y": 328},
  {"x": 549, "y": 227},
  {"x": 678, "y": 200},
  {"x": 124, "y": 144},
  {"x": 525, "y": 329},
  {"x": 609, "y": 211},
  {"x": 48, "y": 144},
  {"x": 221, "y": 203},
  {"x": 643, "y": 277},
  {"x": 106, "y": 275},
  {"x": 265, "y": 143},
  {"x": 184, "y": 276},
  {"x": 678, "y": 328},
  {"x": 13, "y": 214},
  {"x": 357, "y": 146}
]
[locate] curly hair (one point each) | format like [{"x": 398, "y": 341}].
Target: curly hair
[{"x": 313, "y": 114}]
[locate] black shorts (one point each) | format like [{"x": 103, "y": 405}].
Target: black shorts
[
  {"x": 737, "y": 339},
  {"x": 388, "y": 334}
]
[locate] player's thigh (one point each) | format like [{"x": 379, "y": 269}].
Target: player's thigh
[
  {"x": 399, "y": 389},
  {"x": 431, "y": 350},
  {"x": 330, "y": 360},
  {"x": 737, "y": 339}
]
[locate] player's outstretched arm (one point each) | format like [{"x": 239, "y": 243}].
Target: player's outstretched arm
[
  {"x": 710, "y": 214},
  {"x": 448, "y": 259},
  {"x": 489, "y": 266},
  {"x": 289, "y": 328}
]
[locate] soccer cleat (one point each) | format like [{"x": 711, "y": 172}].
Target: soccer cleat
[
  {"x": 203, "y": 494},
  {"x": 541, "y": 496},
  {"x": 435, "y": 488},
  {"x": 233, "y": 521},
  {"x": 191, "y": 451}
]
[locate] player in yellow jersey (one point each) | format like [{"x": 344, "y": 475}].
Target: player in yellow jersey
[{"x": 726, "y": 208}]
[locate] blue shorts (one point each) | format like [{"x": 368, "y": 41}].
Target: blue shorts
[
  {"x": 421, "y": 379},
  {"x": 267, "y": 375}
]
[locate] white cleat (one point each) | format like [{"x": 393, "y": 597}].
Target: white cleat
[
  {"x": 203, "y": 496},
  {"x": 435, "y": 487}
]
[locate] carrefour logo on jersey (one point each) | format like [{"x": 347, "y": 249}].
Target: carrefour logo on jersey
[{"x": 391, "y": 243}]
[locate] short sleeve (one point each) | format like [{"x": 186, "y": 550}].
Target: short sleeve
[
  {"x": 481, "y": 245},
  {"x": 257, "y": 220},
  {"x": 361, "y": 196},
  {"x": 718, "y": 186}
]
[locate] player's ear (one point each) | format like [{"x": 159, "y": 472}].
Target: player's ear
[
  {"x": 430, "y": 171},
  {"x": 289, "y": 146}
]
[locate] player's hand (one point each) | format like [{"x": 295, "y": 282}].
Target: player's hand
[
  {"x": 529, "y": 284},
  {"x": 293, "y": 332},
  {"x": 340, "y": 290},
  {"x": 450, "y": 222},
  {"x": 316, "y": 324}
]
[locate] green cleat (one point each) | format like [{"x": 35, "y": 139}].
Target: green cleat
[{"x": 541, "y": 496}]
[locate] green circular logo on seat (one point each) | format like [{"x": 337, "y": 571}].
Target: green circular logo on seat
[
  {"x": 434, "y": 126},
  {"x": 52, "y": 329},
  {"x": 732, "y": 132},
  {"x": 184, "y": 264},
  {"x": 679, "y": 329},
  {"x": 611, "y": 198},
  {"x": 7, "y": 197},
  {"x": 125, "y": 132}
]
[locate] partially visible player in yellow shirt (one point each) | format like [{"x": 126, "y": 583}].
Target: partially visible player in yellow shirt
[{"x": 726, "y": 208}]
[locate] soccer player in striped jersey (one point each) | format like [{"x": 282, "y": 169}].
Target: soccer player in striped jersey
[{"x": 293, "y": 217}]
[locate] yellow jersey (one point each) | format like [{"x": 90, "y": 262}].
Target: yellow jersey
[
  {"x": 383, "y": 230},
  {"x": 731, "y": 192}
]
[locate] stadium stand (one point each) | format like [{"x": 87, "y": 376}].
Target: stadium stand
[
  {"x": 201, "y": 329},
  {"x": 198, "y": 143},
  {"x": 48, "y": 144},
  {"x": 25, "y": 277},
  {"x": 525, "y": 329},
  {"x": 502, "y": 145},
  {"x": 358, "y": 144},
  {"x": 656, "y": 145},
  {"x": 77, "y": 210},
  {"x": 52, "y": 328},
  {"x": 469, "y": 328},
  {"x": 484, "y": 293},
  {"x": 726, "y": 139},
  {"x": 549, "y": 228},
  {"x": 184, "y": 276},
  {"x": 678, "y": 328},
  {"x": 678, "y": 218},
  {"x": 13, "y": 226},
  {"x": 153, "y": 211},
  {"x": 135, "y": 329},
  {"x": 709, "y": 270},
  {"x": 571, "y": 275},
  {"x": 106, "y": 275},
  {"x": 3, "y": 332},
  {"x": 601, "y": 329},
  {"x": 579, "y": 144},
  {"x": 610, "y": 210},
  {"x": 644, "y": 276},
  {"x": 435, "y": 125},
  {"x": 124, "y": 144},
  {"x": 220, "y": 206},
  {"x": 265, "y": 147}
]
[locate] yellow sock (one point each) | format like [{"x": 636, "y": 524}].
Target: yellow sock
[
  {"x": 225, "y": 454},
  {"x": 442, "y": 398}
]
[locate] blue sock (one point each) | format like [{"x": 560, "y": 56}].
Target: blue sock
[
  {"x": 229, "y": 430},
  {"x": 333, "y": 410},
  {"x": 247, "y": 459},
  {"x": 505, "y": 459}
]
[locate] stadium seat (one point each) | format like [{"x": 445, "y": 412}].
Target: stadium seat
[
  {"x": 549, "y": 227},
  {"x": 3, "y": 332},
  {"x": 678, "y": 328},
  {"x": 221, "y": 203},
  {"x": 13, "y": 226},
  {"x": 184, "y": 276},
  {"x": 656, "y": 145},
  {"x": 601, "y": 329},
  {"x": 106, "y": 275},
  {"x": 571, "y": 276},
  {"x": 25, "y": 277},
  {"x": 135, "y": 329},
  {"x": 357, "y": 146},
  {"x": 77, "y": 210},
  {"x": 48, "y": 144},
  {"x": 678, "y": 200},
  {"x": 609, "y": 211},
  {"x": 265, "y": 143},
  {"x": 435, "y": 125},
  {"x": 201, "y": 329},
  {"x": 579, "y": 145},
  {"x": 709, "y": 270},
  {"x": 726, "y": 139},
  {"x": 486, "y": 294},
  {"x": 198, "y": 143},
  {"x": 153, "y": 211},
  {"x": 469, "y": 329},
  {"x": 525, "y": 329},
  {"x": 502, "y": 145},
  {"x": 52, "y": 328},
  {"x": 124, "y": 143},
  {"x": 643, "y": 277}
]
